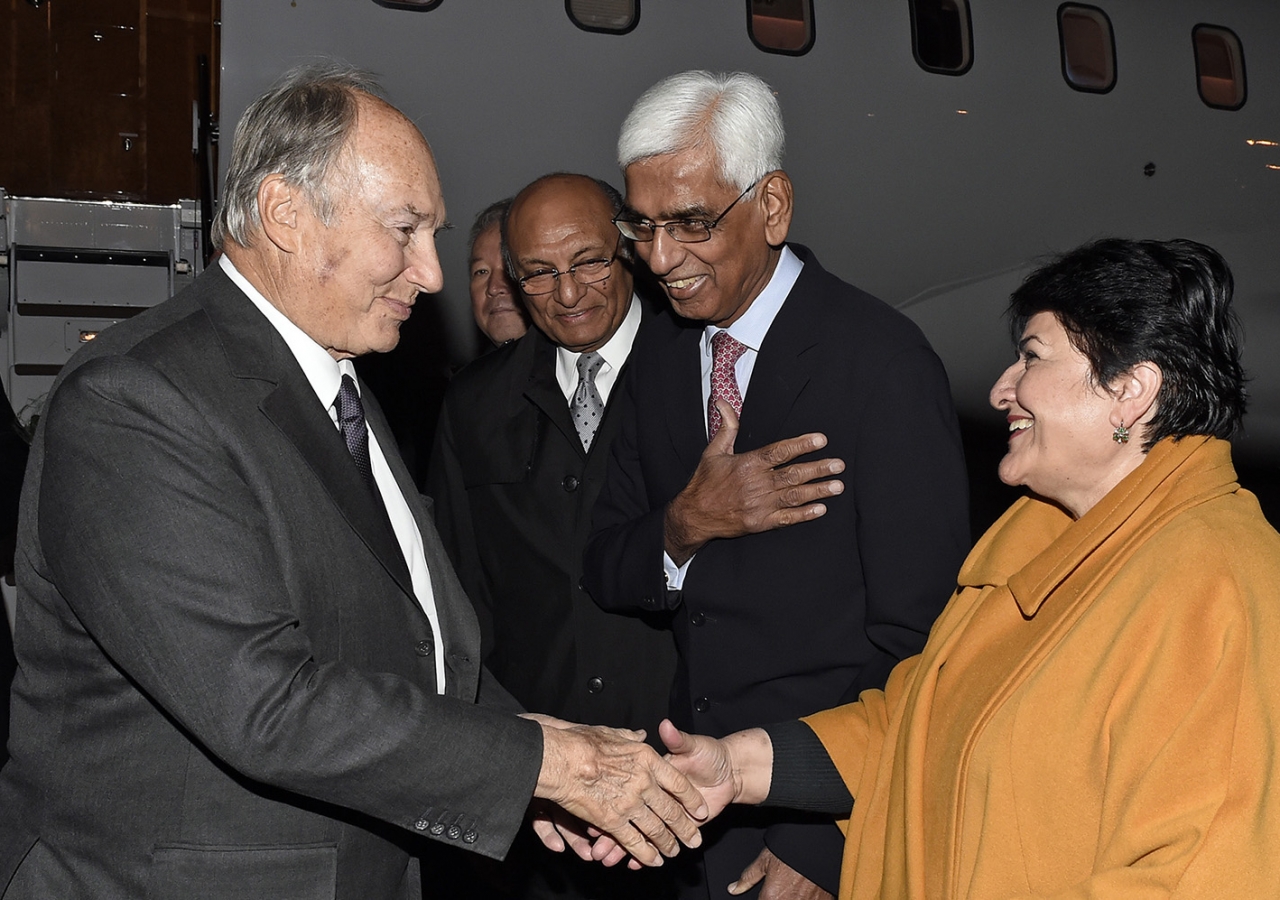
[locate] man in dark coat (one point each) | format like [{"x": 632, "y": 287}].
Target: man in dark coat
[
  {"x": 795, "y": 581},
  {"x": 245, "y": 666},
  {"x": 520, "y": 456}
]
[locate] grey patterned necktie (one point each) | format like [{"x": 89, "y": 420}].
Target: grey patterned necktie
[
  {"x": 586, "y": 405},
  {"x": 354, "y": 430}
]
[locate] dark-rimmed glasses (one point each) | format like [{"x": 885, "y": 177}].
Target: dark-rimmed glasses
[
  {"x": 686, "y": 231},
  {"x": 589, "y": 271}
]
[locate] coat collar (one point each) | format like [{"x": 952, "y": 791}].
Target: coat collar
[
  {"x": 1036, "y": 546},
  {"x": 534, "y": 362}
]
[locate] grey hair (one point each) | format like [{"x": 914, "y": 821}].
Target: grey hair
[
  {"x": 735, "y": 112},
  {"x": 297, "y": 129},
  {"x": 611, "y": 193},
  {"x": 489, "y": 217}
]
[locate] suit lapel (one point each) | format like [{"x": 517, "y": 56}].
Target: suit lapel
[
  {"x": 782, "y": 371},
  {"x": 255, "y": 351},
  {"x": 681, "y": 374},
  {"x": 542, "y": 390}
]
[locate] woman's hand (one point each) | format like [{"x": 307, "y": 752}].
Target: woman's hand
[{"x": 734, "y": 769}]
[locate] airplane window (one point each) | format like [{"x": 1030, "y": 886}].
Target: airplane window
[
  {"x": 1219, "y": 66},
  {"x": 941, "y": 37},
  {"x": 610, "y": 16},
  {"x": 420, "y": 5},
  {"x": 781, "y": 26},
  {"x": 1088, "y": 48}
]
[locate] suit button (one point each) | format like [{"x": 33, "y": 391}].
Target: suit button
[
  {"x": 647, "y": 601},
  {"x": 702, "y": 704},
  {"x": 422, "y": 648},
  {"x": 595, "y": 684},
  {"x": 421, "y": 824},
  {"x": 582, "y": 583},
  {"x": 570, "y": 483},
  {"x": 454, "y": 832},
  {"x": 437, "y": 829},
  {"x": 470, "y": 837},
  {"x": 698, "y": 619}
]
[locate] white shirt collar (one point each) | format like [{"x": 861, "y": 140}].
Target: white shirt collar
[
  {"x": 754, "y": 324},
  {"x": 323, "y": 372},
  {"x": 615, "y": 352}
]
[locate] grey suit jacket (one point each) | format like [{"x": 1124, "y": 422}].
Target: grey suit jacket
[{"x": 226, "y": 687}]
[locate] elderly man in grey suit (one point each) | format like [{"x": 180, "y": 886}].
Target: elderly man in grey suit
[{"x": 246, "y": 668}]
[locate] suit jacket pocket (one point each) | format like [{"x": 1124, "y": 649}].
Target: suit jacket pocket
[{"x": 199, "y": 872}]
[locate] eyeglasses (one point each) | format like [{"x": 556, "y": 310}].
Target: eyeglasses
[
  {"x": 686, "y": 231},
  {"x": 589, "y": 271}
]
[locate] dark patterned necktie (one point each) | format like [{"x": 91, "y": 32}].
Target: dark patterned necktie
[
  {"x": 354, "y": 430},
  {"x": 725, "y": 351},
  {"x": 586, "y": 406}
]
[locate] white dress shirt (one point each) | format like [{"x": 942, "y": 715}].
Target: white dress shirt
[
  {"x": 615, "y": 352},
  {"x": 749, "y": 330},
  {"x": 324, "y": 373}
]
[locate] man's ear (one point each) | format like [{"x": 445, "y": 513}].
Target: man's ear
[
  {"x": 777, "y": 198},
  {"x": 280, "y": 207},
  {"x": 1136, "y": 392}
]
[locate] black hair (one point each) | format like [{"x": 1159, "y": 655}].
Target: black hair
[{"x": 1125, "y": 302}]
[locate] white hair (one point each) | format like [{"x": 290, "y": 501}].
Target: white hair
[
  {"x": 735, "y": 112},
  {"x": 298, "y": 129}
]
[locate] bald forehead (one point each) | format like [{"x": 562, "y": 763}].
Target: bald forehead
[{"x": 566, "y": 191}]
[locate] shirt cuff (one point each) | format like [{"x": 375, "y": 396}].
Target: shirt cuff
[
  {"x": 804, "y": 777},
  {"x": 675, "y": 574}
]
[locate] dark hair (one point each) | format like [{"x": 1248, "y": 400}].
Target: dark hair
[
  {"x": 491, "y": 215},
  {"x": 1126, "y": 302},
  {"x": 610, "y": 192}
]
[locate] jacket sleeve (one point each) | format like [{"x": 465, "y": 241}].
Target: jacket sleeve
[
  {"x": 622, "y": 566},
  {"x": 159, "y": 539}
]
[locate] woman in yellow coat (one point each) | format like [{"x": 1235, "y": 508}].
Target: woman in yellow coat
[{"x": 1096, "y": 713}]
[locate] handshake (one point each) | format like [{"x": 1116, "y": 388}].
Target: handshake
[{"x": 606, "y": 795}]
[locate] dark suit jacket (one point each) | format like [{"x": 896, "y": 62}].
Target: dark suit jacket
[
  {"x": 776, "y": 625},
  {"x": 226, "y": 687},
  {"x": 513, "y": 492}
]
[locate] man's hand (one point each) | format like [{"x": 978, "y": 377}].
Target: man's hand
[
  {"x": 732, "y": 494},
  {"x": 608, "y": 778},
  {"x": 781, "y": 882}
]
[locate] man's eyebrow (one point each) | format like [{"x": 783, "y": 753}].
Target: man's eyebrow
[{"x": 675, "y": 215}]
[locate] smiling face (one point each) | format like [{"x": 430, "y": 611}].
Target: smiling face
[
  {"x": 350, "y": 284},
  {"x": 556, "y": 223},
  {"x": 713, "y": 281},
  {"x": 1060, "y": 421},
  {"x": 497, "y": 310}
]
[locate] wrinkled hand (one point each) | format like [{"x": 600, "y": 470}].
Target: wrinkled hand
[
  {"x": 781, "y": 882},
  {"x": 609, "y": 779},
  {"x": 732, "y": 494}
]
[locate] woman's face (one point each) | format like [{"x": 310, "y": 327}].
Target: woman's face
[{"x": 1060, "y": 426}]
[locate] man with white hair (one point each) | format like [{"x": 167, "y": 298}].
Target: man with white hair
[{"x": 790, "y": 481}]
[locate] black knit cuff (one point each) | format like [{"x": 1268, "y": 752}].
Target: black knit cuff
[{"x": 804, "y": 777}]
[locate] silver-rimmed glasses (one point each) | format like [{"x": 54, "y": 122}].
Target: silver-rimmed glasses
[{"x": 686, "y": 231}]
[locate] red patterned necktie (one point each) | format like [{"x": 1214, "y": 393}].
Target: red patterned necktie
[{"x": 724, "y": 380}]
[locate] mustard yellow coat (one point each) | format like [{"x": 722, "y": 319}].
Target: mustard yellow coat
[{"x": 1096, "y": 713}]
